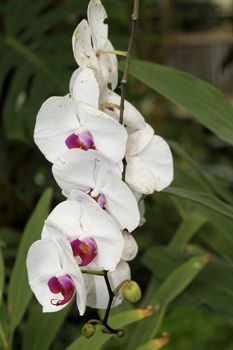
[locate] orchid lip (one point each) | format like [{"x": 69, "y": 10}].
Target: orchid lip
[
  {"x": 64, "y": 285},
  {"x": 85, "y": 249},
  {"x": 82, "y": 141},
  {"x": 98, "y": 197}
]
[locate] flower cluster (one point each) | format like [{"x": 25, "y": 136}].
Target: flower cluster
[{"x": 89, "y": 149}]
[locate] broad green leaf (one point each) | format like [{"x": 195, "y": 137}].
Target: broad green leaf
[
  {"x": 175, "y": 284},
  {"x": 154, "y": 344},
  {"x": 213, "y": 185},
  {"x": 2, "y": 274},
  {"x": 19, "y": 292},
  {"x": 204, "y": 199},
  {"x": 42, "y": 328},
  {"x": 188, "y": 227},
  {"x": 212, "y": 287},
  {"x": 29, "y": 55},
  {"x": 119, "y": 321},
  {"x": 203, "y": 101}
]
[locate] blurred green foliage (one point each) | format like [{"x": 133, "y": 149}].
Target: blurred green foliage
[{"x": 36, "y": 62}]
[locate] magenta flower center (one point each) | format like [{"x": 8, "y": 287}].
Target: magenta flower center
[
  {"x": 100, "y": 199},
  {"x": 64, "y": 285},
  {"x": 85, "y": 249},
  {"x": 83, "y": 141}
]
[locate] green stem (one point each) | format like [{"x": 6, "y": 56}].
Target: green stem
[
  {"x": 93, "y": 272},
  {"x": 124, "y": 80}
]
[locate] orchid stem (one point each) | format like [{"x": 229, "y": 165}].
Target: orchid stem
[
  {"x": 111, "y": 297},
  {"x": 93, "y": 272},
  {"x": 124, "y": 80}
]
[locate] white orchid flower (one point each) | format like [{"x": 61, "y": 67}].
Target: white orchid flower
[
  {"x": 97, "y": 292},
  {"x": 91, "y": 173},
  {"x": 133, "y": 119},
  {"x": 85, "y": 91},
  {"x": 93, "y": 235},
  {"x": 54, "y": 276},
  {"x": 64, "y": 123},
  {"x": 91, "y": 46},
  {"x": 149, "y": 162}
]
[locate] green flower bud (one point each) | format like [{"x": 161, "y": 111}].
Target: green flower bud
[
  {"x": 121, "y": 333},
  {"x": 88, "y": 330},
  {"x": 131, "y": 292}
]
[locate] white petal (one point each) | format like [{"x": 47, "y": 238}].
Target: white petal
[
  {"x": 83, "y": 51},
  {"x": 97, "y": 293},
  {"x": 55, "y": 121},
  {"x": 158, "y": 158},
  {"x": 81, "y": 217},
  {"x": 130, "y": 247},
  {"x": 112, "y": 66},
  {"x": 84, "y": 88},
  {"x": 98, "y": 225},
  {"x": 76, "y": 169},
  {"x": 138, "y": 140},
  {"x": 141, "y": 206},
  {"x": 96, "y": 15},
  {"x": 45, "y": 259},
  {"x": 109, "y": 136},
  {"x": 139, "y": 176},
  {"x": 132, "y": 117},
  {"x": 120, "y": 202}
]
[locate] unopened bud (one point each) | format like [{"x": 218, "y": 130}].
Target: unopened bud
[
  {"x": 120, "y": 333},
  {"x": 131, "y": 292},
  {"x": 88, "y": 330}
]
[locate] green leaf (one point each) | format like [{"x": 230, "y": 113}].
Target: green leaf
[
  {"x": 188, "y": 227},
  {"x": 203, "y": 101},
  {"x": 213, "y": 185},
  {"x": 42, "y": 328},
  {"x": 204, "y": 199},
  {"x": 175, "y": 284},
  {"x": 2, "y": 274},
  {"x": 99, "y": 339},
  {"x": 154, "y": 344},
  {"x": 19, "y": 292}
]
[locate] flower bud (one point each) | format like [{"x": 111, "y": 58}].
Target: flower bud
[
  {"x": 121, "y": 333},
  {"x": 131, "y": 292},
  {"x": 88, "y": 330}
]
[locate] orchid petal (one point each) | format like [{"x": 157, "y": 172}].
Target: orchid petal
[
  {"x": 138, "y": 176},
  {"x": 109, "y": 136},
  {"x": 120, "y": 202},
  {"x": 46, "y": 259},
  {"x": 82, "y": 48},
  {"x": 55, "y": 121},
  {"x": 130, "y": 247},
  {"x": 158, "y": 158},
  {"x": 102, "y": 228},
  {"x": 132, "y": 117},
  {"x": 84, "y": 88},
  {"x": 138, "y": 140},
  {"x": 112, "y": 65},
  {"x": 96, "y": 15},
  {"x": 82, "y": 218},
  {"x": 76, "y": 169},
  {"x": 97, "y": 293}
]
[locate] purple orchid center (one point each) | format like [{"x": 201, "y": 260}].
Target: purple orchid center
[
  {"x": 85, "y": 249},
  {"x": 83, "y": 141},
  {"x": 100, "y": 199},
  {"x": 64, "y": 285}
]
